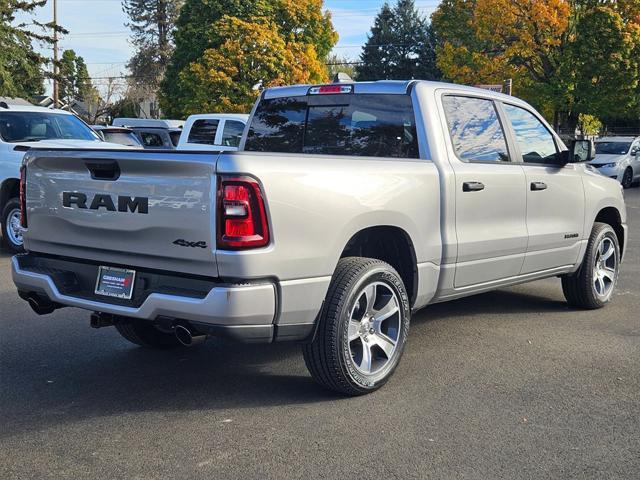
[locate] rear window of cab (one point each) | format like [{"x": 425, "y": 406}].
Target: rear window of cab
[{"x": 376, "y": 125}]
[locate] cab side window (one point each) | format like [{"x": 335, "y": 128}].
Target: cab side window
[
  {"x": 534, "y": 139},
  {"x": 232, "y": 133},
  {"x": 475, "y": 129},
  {"x": 203, "y": 132}
]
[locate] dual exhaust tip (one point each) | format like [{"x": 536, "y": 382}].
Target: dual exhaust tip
[{"x": 43, "y": 306}]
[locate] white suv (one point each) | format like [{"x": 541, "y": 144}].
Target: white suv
[
  {"x": 619, "y": 158},
  {"x": 23, "y": 127}
]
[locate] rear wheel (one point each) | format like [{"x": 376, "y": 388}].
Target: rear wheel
[
  {"x": 362, "y": 330},
  {"x": 11, "y": 230},
  {"x": 627, "y": 178},
  {"x": 593, "y": 285},
  {"x": 145, "y": 334}
]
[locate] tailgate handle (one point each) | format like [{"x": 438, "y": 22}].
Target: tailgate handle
[{"x": 101, "y": 170}]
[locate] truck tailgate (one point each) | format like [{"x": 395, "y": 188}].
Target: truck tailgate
[{"x": 129, "y": 208}]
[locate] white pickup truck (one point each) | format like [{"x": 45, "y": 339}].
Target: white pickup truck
[
  {"x": 213, "y": 132},
  {"x": 348, "y": 207}
]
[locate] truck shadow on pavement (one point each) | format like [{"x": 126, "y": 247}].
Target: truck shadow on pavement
[{"x": 56, "y": 369}]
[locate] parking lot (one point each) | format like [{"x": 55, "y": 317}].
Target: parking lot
[{"x": 501, "y": 385}]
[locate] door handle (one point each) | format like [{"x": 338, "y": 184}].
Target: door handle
[
  {"x": 536, "y": 186},
  {"x": 472, "y": 186}
]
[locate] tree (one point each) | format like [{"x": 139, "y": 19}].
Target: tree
[
  {"x": 224, "y": 79},
  {"x": 210, "y": 48},
  {"x": 21, "y": 67},
  {"x": 151, "y": 23},
  {"x": 337, "y": 64},
  {"x": 566, "y": 57},
  {"x": 74, "y": 80},
  {"x": 400, "y": 46}
]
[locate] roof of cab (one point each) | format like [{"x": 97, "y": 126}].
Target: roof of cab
[{"x": 397, "y": 87}]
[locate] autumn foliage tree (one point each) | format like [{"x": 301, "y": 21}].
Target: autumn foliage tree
[
  {"x": 567, "y": 57},
  {"x": 226, "y": 47}
]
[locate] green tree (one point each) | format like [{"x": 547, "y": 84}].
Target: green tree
[
  {"x": 400, "y": 46},
  {"x": 21, "y": 67},
  {"x": 151, "y": 23},
  {"x": 206, "y": 26},
  {"x": 74, "y": 80}
]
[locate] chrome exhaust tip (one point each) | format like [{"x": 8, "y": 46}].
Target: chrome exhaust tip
[
  {"x": 187, "y": 337},
  {"x": 40, "y": 305}
]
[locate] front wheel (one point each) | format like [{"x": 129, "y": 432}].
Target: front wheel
[
  {"x": 11, "y": 229},
  {"x": 627, "y": 178},
  {"x": 592, "y": 285},
  {"x": 362, "y": 329}
]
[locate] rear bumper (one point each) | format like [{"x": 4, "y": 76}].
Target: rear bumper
[{"x": 245, "y": 312}]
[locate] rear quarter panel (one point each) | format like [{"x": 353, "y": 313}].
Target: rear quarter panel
[{"x": 317, "y": 203}]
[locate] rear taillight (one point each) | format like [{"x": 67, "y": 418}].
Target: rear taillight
[
  {"x": 23, "y": 196},
  {"x": 242, "y": 218}
]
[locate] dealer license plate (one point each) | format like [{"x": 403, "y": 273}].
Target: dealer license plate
[{"x": 115, "y": 282}]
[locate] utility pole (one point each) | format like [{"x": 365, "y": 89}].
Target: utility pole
[{"x": 55, "y": 54}]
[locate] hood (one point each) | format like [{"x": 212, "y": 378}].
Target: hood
[
  {"x": 602, "y": 158},
  {"x": 68, "y": 143}
]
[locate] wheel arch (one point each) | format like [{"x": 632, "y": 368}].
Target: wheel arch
[
  {"x": 612, "y": 217},
  {"x": 9, "y": 189},
  {"x": 391, "y": 244}
]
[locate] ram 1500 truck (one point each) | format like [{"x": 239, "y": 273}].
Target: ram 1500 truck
[{"x": 347, "y": 208}]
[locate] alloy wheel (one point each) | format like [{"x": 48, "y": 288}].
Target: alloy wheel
[
  {"x": 605, "y": 269},
  {"x": 374, "y": 328},
  {"x": 13, "y": 228}
]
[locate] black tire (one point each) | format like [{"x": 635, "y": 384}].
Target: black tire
[
  {"x": 579, "y": 288},
  {"x": 143, "y": 333},
  {"x": 7, "y": 242},
  {"x": 329, "y": 357},
  {"x": 627, "y": 178}
]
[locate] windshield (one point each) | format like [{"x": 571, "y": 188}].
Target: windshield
[
  {"x": 613, "y": 148},
  {"x": 122, "y": 138},
  {"x": 35, "y": 126}
]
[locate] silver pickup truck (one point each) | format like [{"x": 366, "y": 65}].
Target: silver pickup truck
[{"x": 347, "y": 208}]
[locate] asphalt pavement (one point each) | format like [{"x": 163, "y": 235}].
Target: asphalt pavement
[{"x": 508, "y": 384}]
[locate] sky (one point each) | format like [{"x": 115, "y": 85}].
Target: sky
[{"x": 97, "y": 30}]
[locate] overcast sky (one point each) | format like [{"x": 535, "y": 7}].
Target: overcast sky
[{"x": 98, "y": 33}]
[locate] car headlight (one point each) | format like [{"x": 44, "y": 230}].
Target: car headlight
[{"x": 608, "y": 165}]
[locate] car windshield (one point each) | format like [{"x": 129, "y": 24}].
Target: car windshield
[
  {"x": 122, "y": 138},
  {"x": 35, "y": 126},
  {"x": 613, "y": 148}
]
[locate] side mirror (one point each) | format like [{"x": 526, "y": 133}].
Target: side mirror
[
  {"x": 581, "y": 151},
  {"x": 634, "y": 152}
]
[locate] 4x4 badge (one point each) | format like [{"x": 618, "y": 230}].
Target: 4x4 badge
[{"x": 184, "y": 243}]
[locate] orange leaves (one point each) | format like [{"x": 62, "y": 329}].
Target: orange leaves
[{"x": 251, "y": 52}]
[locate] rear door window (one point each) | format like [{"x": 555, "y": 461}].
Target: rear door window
[
  {"x": 357, "y": 125},
  {"x": 232, "y": 133},
  {"x": 203, "y": 132},
  {"x": 476, "y": 132}
]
